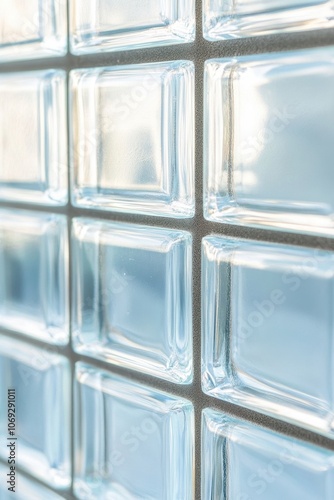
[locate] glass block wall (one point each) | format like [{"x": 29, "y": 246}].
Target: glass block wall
[{"x": 166, "y": 249}]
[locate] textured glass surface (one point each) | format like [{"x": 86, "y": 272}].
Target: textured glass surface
[
  {"x": 269, "y": 138},
  {"x": 223, "y": 19},
  {"x": 32, "y": 28},
  {"x": 33, "y": 151},
  {"x": 133, "y": 138},
  {"x": 33, "y": 270},
  {"x": 142, "y": 444},
  {"x": 106, "y": 25},
  {"x": 26, "y": 489},
  {"x": 268, "y": 329},
  {"x": 241, "y": 461},
  {"x": 41, "y": 379},
  {"x": 132, "y": 297}
]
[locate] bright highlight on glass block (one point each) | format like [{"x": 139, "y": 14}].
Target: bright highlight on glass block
[
  {"x": 41, "y": 379},
  {"x": 133, "y": 138},
  {"x": 32, "y": 29},
  {"x": 141, "y": 446},
  {"x": 33, "y": 270},
  {"x": 33, "y": 138},
  {"x": 268, "y": 329},
  {"x": 223, "y": 19},
  {"x": 269, "y": 136},
  {"x": 132, "y": 297},
  {"x": 241, "y": 461},
  {"x": 108, "y": 25}
]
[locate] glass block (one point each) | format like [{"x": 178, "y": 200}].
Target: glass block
[
  {"x": 268, "y": 329},
  {"x": 142, "y": 446},
  {"x": 132, "y": 297},
  {"x": 32, "y": 29},
  {"x": 133, "y": 138},
  {"x": 33, "y": 137},
  {"x": 269, "y": 142},
  {"x": 33, "y": 270},
  {"x": 25, "y": 489},
  {"x": 241, "y": 461},
  {"x": 109, "y": 25},
  {"x": 41, "y": 379},
  {"x": 224, "y": 20}
]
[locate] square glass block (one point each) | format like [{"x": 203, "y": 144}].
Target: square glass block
[
  {"x": 241, "y": 461},
  {"x": 25, "y": 489},
  {"x": 132, "y": 297},
  {"x": 33, "y": 270},
  {"x": 268, "y": 329},
  {"x": 142, "y": 444},
  {"x": 32, "y": 29},
  {"x": 223, "y": 19},
  {"x": 269, "y": 137},
  {"x": 41, "y": 379},
  {"x": 133, "y": 138},
  {"x": 109, "y": 25},
  {"x": 33, "y": 137}
]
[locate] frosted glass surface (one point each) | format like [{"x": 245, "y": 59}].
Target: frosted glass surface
[
  {"x": 142, "y": 446},
  {"x": 26, "y": 489},
  {"x": 33, "y": 270},
  {"x": 269, "y": 140},
  {"x": 133, "y": 138},
  {"x": 132, "y": 297},
  {"x": 33, "y": 137},
  {"x": 268, "y": 329},
  {"x": 41, "y": 379},
  {"x": 241, "y": 461},
  {"x": 31, "y": 29},
  {"x": 108, "y": 25},
  {"x": 223, "y": 19}
]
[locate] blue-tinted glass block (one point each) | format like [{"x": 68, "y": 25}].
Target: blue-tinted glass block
[
  {"x": 268, "y": 329},
  {"x": 108, "y": 25},
  {"x": 41, "y": 379},
  {"x": 33, "y": 138},
  {"x": 223, "y": 19},
  {"x": 31, "y": 29},
  {"x": 141, "y": 446},
  {"x": 133, "y": 138},
  {"x": 33, "y": 270},
  {"x": 25, "y": 489},
  {"x": 241, "y": 461},
  {"x": 132, "y": 297},
  {"x": 269, "y": 136}
]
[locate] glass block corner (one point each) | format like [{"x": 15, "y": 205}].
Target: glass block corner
[
  {"x": 33, "y": 137},
  {"x": 268, "y": 141},
  {"x": 41, "y": 379},
  {"x": 267, "y": 318},
  {"x": 242, "y": 461},
  {"x": 112, "y": 25},
  {"x": 31, "y": 29},
  {"x": 132, "y": 297},
  {"x": 133, "y": 138},
  {"x": 142, "y": 446}
]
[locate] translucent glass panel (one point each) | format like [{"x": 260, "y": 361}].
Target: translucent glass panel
[
  {"x": 33, "y": 270},
  {"x": 142, "y": 444},
  {"x": 107, "y": 25},
  {"x": 41, "y": 379},
  {"x": 268, "y": 329},
  {"x": 133, "y": 138},
  {"x": 32, "y": 28},
  {"x": 241, "y": 461},
  {"x": 132, "y": 297},
  {"x": 223, "y": 19},
  {"x": 269, "y": 140},
  {"x": 33, "y": 138}
]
